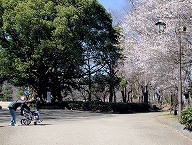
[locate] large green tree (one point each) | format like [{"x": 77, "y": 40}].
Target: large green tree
[{"x": 44, "y": 42}]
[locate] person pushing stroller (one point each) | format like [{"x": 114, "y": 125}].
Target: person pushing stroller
[{"x": 12, "y": 107}]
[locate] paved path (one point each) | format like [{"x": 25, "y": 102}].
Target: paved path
[{"x": 65, "y": 127}]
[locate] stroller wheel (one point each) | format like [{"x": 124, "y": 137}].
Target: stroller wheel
[
  {"x": 35, "y": 123},
  {"x": 27, "y": 122},
  {"x": 23, "y": 121}
]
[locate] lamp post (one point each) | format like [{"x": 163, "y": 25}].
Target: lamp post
[
  {"x": 179, "y": 81},
  {"x": 161, "y": 26}
]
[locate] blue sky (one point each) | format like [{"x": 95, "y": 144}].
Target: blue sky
[{"x": 112, "y": 4}]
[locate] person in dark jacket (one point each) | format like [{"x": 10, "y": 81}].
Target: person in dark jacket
[{"x": 14, "y": 105}]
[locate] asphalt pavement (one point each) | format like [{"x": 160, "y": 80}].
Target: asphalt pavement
[{"x": 70, "y": 127}]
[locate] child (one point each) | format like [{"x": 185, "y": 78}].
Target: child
[{"x": 37, "y": 106}]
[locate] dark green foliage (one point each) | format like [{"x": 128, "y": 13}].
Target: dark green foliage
[
  {"x": 186, "y": 119},
  {"x": 47, "y": 44},
  {"x": 98, "y": 106}
]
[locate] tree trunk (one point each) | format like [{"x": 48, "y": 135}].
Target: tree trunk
[
  {"x": 114, "y": 95},
  {"x": 111, "y": 93},
  {"x": 123, "y": 95},
  {"x": 145, "y": 94},
  {"x": 130, "y": 92},
  {"x": 90, "y": 84},
  {"x": 146, "y": 97}
]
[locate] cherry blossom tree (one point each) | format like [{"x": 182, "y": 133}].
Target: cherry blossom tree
[{"x": 152, "y": 56}]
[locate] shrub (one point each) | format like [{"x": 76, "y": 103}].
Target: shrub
[
  {"x": 186, "y": 119},
  {"x": 99, "y": 106}
]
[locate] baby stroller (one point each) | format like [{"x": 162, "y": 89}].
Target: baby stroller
[{"x": 29, "y": 116}]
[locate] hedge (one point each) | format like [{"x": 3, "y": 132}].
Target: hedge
[{"x": 98, "y": 106}]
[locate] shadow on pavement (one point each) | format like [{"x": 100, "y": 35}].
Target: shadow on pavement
[{"x": 53, "y": 115}]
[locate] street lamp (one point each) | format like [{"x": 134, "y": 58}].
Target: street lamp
[{"x": 161, "y": 26}]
